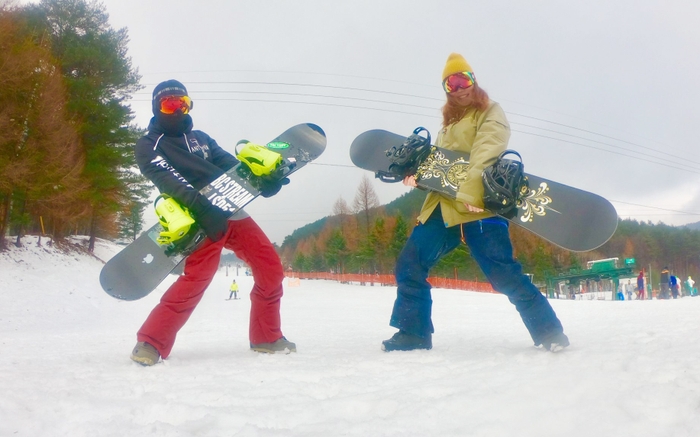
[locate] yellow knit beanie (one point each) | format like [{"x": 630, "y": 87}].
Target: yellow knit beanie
[{"x": 455, "y": 64}]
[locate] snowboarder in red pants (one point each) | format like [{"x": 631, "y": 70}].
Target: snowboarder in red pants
[{"x": 180, "y": 161}]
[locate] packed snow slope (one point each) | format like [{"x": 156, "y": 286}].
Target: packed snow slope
[{"x": 632, "y": 368}]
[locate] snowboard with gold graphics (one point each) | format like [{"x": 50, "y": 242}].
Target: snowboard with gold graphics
[{"x": 568, "y": 217}]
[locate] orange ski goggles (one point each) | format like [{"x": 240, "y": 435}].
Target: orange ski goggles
[
  {"x": 458, "y": 81},
  {"x": 171, "y": 104}
]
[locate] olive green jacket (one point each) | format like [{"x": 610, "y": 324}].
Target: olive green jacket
[{"x": 483, "y": 135}]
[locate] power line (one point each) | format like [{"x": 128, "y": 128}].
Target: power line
[
  {"x": 684, "y": 159},
  {"x": 317, "y": 95},
  {"x": 356, "y": 89},
  {"x": 310, "y": 85},
  {"x": 609, "y": 151},
  {"x": 656, "y": 207},
  {"x": 635, "y": 156},
  {"x": 332, "y": 165},
  {"x": 312, "y": 73},
  {"x": 325, "y": 104},
  {"x": 377, "y": 91}
]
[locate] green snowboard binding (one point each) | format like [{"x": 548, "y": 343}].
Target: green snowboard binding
[
  {"x": 262, "y": 165},
  {"x": 179, "y": 228},
  {"x": 175, "y": 219},
  {"x": 260, "y": 160}
]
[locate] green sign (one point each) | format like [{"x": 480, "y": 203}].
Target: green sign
[
  {"x": 277, "y": 145},
  {"x": 629, "y": 261}
]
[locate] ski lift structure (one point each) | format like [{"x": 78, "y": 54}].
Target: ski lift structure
[{"x": 603, "y": 274}]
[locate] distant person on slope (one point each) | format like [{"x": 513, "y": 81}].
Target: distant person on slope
[
  {"x": 674, "y": 285},
  {"x": 640, "y": 285},
  {"x": 474, "y": 124},
  {"x": 690, "y": 284},
  {"x": 664, "y": 284},
  {"x": 180, "y": 161},
  {"x": 629, "y": 290},
  {"x": 234, "y": 290}
]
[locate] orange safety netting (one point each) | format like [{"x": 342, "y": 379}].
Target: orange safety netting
[{"x": 366, "y": 279}]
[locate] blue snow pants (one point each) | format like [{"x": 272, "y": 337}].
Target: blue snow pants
[{"x": 489, "y": 243}]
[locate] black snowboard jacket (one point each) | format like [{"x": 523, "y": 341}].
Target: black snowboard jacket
[{"x": 180, "y": 166}]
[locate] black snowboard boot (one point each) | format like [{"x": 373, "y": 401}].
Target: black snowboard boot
[
  {"x": 403, "y": 341},
  {"x": 555, "y": 342}
]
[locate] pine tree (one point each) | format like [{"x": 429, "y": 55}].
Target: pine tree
[
  {"x": 99, "y": 78},
  {"x": 300, "y": 263},
  {"x": 337, "y": 251},
  {"x": 40, "y": 156},
  {"x": 399, "y": 237}
]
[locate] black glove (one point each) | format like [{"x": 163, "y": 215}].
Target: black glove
[
  {"x": 212, "y": 219},
  {"x": 269, "y": 186}
]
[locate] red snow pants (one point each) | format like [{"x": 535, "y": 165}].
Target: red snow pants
[{"x": 249, "y": 243}]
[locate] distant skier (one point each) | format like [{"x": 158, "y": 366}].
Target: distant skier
[
  {"x": 674, "y": 285},
  {"x": 474, "y": 124},
  {"x": 640, "y": 285},
  {"x": 664, "y": 284},
  {"x": 629, "y": 290},
  {"x": 234, "y": 290},
  {"x": 180, "y": 161}
]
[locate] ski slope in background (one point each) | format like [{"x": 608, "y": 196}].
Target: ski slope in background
[{"x": 632, "y": 369}]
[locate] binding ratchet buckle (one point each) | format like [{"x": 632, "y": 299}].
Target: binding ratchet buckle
[{"x": 406, "y": 158}]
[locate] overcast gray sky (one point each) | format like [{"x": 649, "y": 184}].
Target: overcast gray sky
[{"x": 601, "y": 94}]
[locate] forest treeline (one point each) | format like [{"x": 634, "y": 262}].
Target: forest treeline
[
  {"x": 368, "y": 237},
  {"x": 66, "y": 160}
]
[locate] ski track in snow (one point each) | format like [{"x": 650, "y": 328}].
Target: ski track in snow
[{"x": 632, "y": 368}]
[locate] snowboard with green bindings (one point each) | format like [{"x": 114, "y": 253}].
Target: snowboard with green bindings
[{"x": 141, "y": 266}]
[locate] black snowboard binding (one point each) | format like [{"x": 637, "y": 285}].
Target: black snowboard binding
[
  {"x": 406, "y": 158},
  {"x": 187, "y": 244},
  {"x": 505, "y": 184}
]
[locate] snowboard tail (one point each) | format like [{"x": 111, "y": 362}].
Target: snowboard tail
[
  {"x": 141, "y": 266},
  {"x": 568, "y": 217}
]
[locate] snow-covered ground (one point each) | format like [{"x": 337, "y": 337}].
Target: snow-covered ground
[{"x": 632, "y": 368}]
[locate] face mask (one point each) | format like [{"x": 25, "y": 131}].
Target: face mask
[{"x": 174, "y": 124}]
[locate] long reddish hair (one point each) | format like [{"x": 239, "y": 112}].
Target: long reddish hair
[{"x": 452, "y": 112}]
